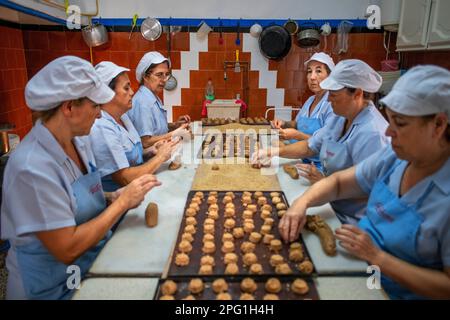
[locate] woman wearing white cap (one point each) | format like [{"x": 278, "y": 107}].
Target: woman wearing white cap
[
  {"x": 115, "y": 142},
  {"x": 54, "y": 211},
  {"x": 148, "y": 115},
  {"x": 405, "y": 231},
  {"x": 346, "y": 140},
  {"x": 315, "y": 111}
]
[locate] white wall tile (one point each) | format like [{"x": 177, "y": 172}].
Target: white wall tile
[
  {"x": 169, "y": 112},
  {"x": 284, "y": 113},
  {"x": 258, "y": 61},
  {"x": 189, "y": 60},
  {"x": 275, "y": 97},
  {"x": 182, "y": 77},
  {"x": 267, "y": 79},
  {"x": 197, "y": 45},
  {"x": 173, "y": 98}
]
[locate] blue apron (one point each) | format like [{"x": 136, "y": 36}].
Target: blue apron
[
  {"x": 393, "y": 226},
  {"x": 309, "y": 126},
  {"x": 134, "y": 157},
  {"x": 43, "y": 276},
  {"x": 334, "y": 156}
]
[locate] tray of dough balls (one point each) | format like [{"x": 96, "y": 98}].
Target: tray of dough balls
[
  {"x": 237, "y": 288},
  {"x": 222, "y": 145},
  {"x": 236, "y": 233}
]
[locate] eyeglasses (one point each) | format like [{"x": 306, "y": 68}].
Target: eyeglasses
[{"x": 161, "y": 75}]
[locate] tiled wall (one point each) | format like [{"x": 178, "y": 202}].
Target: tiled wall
[{"x": 13, "y": 78}]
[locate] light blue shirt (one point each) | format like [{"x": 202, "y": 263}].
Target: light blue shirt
[
  {"x": 433, "y": 239},
  {"x": 148, "y": 115},
  {"x": 111, "y": 141},
  {"x": 37, "y": 193},
  {"x": 323, "y": 110},
  {"x": 365, "y": 136}
]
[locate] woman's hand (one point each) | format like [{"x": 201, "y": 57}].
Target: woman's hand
[
  {"x": 310, "y": 172},
  {"x": 289, "y": 133},
  {"x": 292, "y": 223},
  {"x": 133, "y": 194},
  {"x": 166, "y": 149},
  {"x": 184, "y": 119},
  {"x": 358, "y": 243},
  {"x": 261, "y": 158},
  {"x": 277, "y": 124}
]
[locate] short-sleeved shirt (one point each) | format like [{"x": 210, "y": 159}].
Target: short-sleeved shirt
[
  {"x": 365, "y": 136},
  {"x": 111, "y": 141},
  {"x": 37, "y": 191},
  {"x": 147, "y": 114},
  {"x": 433, "y": 240}
]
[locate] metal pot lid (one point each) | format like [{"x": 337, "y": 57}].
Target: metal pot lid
[
  {"x": 171, "y": 83},
  {"x": 151, "y": 29},
  {"x": 291, "y": 26}
]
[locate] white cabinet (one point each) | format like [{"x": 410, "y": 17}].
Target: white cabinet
[{"x": 424, "y": 24}]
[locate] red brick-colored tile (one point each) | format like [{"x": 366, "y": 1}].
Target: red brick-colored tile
[
  {"x": 207, "y": 61},
  {"x": 15, "y": 39},
  {"x": 181, "y": 41},
  {"x": 144, "y": 44},
  {"x": 175, "y": 58},
  {"x": 37, "y": 40},
  {"x": 254, "y": 79},
  {"x": 285, "y": 79},
  {"x": 100, "y": 56},
  {"x": 120, "y": 58},
  {"x": 57, "y": 40},
  {"x": 374, "y": 42},
  {"x": 4, "y": 40},
  {"x": 292, "y": 61},
  {"x": 11, "y": 59},
  {"x": 187, "y": 96},
  {"x": 299, "y": 80},
  {"x": 75, "y": 41},
  {"x": 230, "y": 41},
  {"x": 213, "y": 42},
  {"x": 357, "y": 42},
  {"x": 257, "y": 97},
  {"x": 178, "y": 111},
  {"x": 120, "y": 42},
  {"x": 291, "y": 97},
  {"x": 135, "y": 57}
]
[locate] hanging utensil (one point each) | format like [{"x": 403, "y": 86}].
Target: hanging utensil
[
  {"x": 274, "y": 42},
  {"x": 172, "y": 82},
  {"x": 220, "y": 32},
  {"x": 133, "y": 25},
  {"x": 291, "y": 26},
  {"x": 309, "y": 37},
  {"x": 238, "y": 40},
  {"x": 237, "y": 65},
  {"x": 151, "y": 29}
]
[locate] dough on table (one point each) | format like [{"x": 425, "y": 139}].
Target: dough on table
[
  {"x": 169, "y": 287},
  {"x": 196, "y": 285},
  {"x": 219, "y": 285},
  {"x": 273, "y": 285},
  {"x": 299, "y": 286},
  {"x": 248, "y": 285},
  {"x": 181, "y": 259}
]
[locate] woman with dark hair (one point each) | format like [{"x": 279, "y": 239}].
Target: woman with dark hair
[
  {"x": 148, "y": 115},
  {"x": 116, "y": 144}
]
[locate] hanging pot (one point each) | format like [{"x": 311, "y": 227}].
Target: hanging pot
[
  {"x": 95, "y": 35},
  {"x": 274, "y": 42},
  {"x": 308, "y": 37},
  {"x": 151, "y": 29},
  {"x": 291, "y": 26},
  {"x": 172, "y": 82}
]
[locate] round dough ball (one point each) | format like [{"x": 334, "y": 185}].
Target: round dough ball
[
  {"x": 276, "y": 259},
  {"x": 182, "y": 259},
  {"x": 229, "y": 205},
  {"x": 247, "y": 247},
  {"x": 223, "y": 296},
  {"x": 267, "y": 238},
  {"x": 167, "y": 297},
  {"x": 281, "y": 206},
  {"x": 268, "y": 222},
  {"x": 255, "y": 237},
  {"x": 209, "y": 221},
  {"x": 246, "y": 200},
  {"x": 257, "y": 194},
  {"x": 306, "y": 267},
  {"x": 212, "y": 200},
  {"x": 189, "y": 297},
  {"x": 194, "y": 206},
  {"x": 213, "y": 206},
  {"x": 247, "y": 214},
  {"x": 206, "y": 269},
  {"x": 299, "y": 286},
  {"x": 273, "y": 285},
  {"x": 262, "y": 201},
  {"x": 229, "y": 213},
  {"x": 265, "y": 214},
  {"x": 207, "y": 260},
  {"x": 213, "y": 193},
  {"x": 281, "y": 213},
  {"x": 191, "y": 220},
  {"x": 274, "y": 194},
  {"x": 267, "y": 207},
  {"x": 230, "y": 257},
  {"x": 248, "y": 285},
  {"x": 169, "y": 287},
  {"x": 270, "y": 296},
  {"x": 209, "y": 247},
  {"x": 231, "y": 269},
  {"x": 208, "y": 228},
  {"x": 227, "y": 237},
  {"x": 187, "y": 237},
  {"x": 191, "y": 212},
  {"x": 256, "y": 268},
  {"x": 276, "y": 200},
  {"x": 213, "y": 214},
  {"x": 249, "y": 259},
  {"x": 266, "y": 229},
  {"x": 229, "y": 224},
  {"x": 249, "y": 221},
  {"x": 296, "y": 255},
  {"x": 246, "y": 296},
  {"x": 276, "y": 245},
  {"x": 196, "y": 285},
  {"x": 196, "y": 200},
  {"x": 219, "y": 285},
  {"x": 246, "y": 194},
  {"x": 249, "y": 227},
  {"x": 252, "y": 207},
  {"x": 238, "y": 233},
  {"x": 283, "y": 268},
  {"x": 185, "y": 246},
  {"x": 227, "y": 199},
  {"x": 295, "y": 246},
  {"x": 199, "y": 194},
  {"x": 227, "y": 247},
  {"x": 190, "y": 229},
  {"x": 230, "y": 194},
  {"x": 208, "y": 237}
]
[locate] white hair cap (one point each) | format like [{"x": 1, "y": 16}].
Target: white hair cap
[
  {"x": 323, "y": 58},
  {"x": 152, "y": 57},
  {"x": 64, "y": 79},
  {"x": 108, "y": 70},
  {"x": 353, "y": 73},
  {"x": 423, "y": 90}
]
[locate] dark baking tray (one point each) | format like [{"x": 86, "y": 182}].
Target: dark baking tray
[
  {"x": 231, "y": 153},
  {"x": 235, "y": 291},
  {"x": 262, "y": 250}
]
